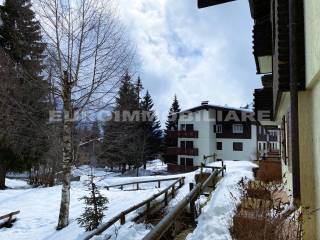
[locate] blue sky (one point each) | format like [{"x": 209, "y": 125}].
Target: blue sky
[{"x": 198, "y": 54}]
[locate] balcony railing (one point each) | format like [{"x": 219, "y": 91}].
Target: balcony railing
[
  {"x": 183, "y": 134},
  {"x": 182, "y": 151},
  {"x": 273, "y": 138}
]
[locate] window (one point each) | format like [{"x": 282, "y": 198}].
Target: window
[
  {"x": 186, "y": 144},
  {"x": 189, "y": 127},
  {"x": 189, "y": 161},
  {"x": 237, "y": 128},
  {"x": 182, "y": 161},
  {"x": 238, "y": 146},
  {"x": 186, "y": 127},
  {"x": 217, "y": 128},
  {"x": 189, "y": 144},
  {"x": 219, "y": 145},
  {"x": 260, "y": 147}
]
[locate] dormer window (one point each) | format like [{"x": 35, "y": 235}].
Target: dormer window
[{"x": 237, "y": 128}]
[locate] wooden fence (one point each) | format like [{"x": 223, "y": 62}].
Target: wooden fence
[
  {"x": 7, "y": 219},
  {"x": 137, "y": 184},
  {"x": 122, "y": 216},
  {"x": 162, "y": 227}
]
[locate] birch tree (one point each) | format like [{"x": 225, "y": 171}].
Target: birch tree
[{"x": 89, "y": 52}]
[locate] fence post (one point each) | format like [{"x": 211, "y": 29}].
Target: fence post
[
  {"x": 148, "y": 209},
  {"x": 222, "y": 168},
  {"x": 159, "y": 184},
  {"x": 173, "y": 191},
  {"x": 192, "y": 203},
  {"x": 214, "y": 183},
  {"x": 166, "y": 198},
  {"x": 137, "y": 186},
  {"x": 121, "y": 187},
  {"x": 122, "y": 219}
]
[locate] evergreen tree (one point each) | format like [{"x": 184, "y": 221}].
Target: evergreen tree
[
  {"x": 22, "y": 131},
  {"x": 119, "y": 145},
  {"x": 152, "y": 129},
  {"x": 95, "y": 205},
  {"x": 95, "y": 130},
  {"x": 171, "y": 125}
]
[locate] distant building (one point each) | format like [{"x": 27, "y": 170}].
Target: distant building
[{"x": 220, "y": 132}]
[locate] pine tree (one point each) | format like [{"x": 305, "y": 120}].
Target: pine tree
[
  {"x": 152, "y": 129},
  {"x": 23, "y": 126},
  {"x": 95, "y": 130},
  {"x": 119, "y": 146},
  {"x": 95, "y": 203},
  {"x": 171, "y": 125}
]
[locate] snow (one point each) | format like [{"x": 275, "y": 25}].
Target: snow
[
  {"x": 214, "y": 222},
  {"x": 16, "y": 184},
  {"x": 40, "y": 206}
]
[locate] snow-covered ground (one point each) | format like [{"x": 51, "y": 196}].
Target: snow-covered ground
[{"x": 40, "y": 206}]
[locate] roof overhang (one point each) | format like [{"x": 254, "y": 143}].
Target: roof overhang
[{"x": 209, "y": 3}]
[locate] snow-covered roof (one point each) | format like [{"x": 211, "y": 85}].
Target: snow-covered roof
[{"x": 210, "y": 106}]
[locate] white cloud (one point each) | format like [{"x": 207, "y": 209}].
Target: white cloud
[{"x": 192, "y": 53}]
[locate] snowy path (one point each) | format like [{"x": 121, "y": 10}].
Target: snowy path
[{"x": 216, "y": 217}]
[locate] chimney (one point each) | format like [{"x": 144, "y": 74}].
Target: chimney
[{"x": 204, "y": 103}]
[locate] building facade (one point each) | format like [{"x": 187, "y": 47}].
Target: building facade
[
  {"x": 286, "y": 48},
  {"x": 219, "y": 132}
]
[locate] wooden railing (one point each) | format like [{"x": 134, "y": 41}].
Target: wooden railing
[
  {"x": 162, "y": 227},
  {"x": 122, "y": 216},
  {"x": 183, "y": 134},
  {"x": 7, "y": 219},
  {"x": 137, "y": 183}
]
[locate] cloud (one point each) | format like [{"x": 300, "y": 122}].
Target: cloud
[{"x": 196, "y": 54}]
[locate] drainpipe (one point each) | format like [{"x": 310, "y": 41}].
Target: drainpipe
[{"x": 294, "y": 78}]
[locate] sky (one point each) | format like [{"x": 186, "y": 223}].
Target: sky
[{"x": 197, "y": 54}]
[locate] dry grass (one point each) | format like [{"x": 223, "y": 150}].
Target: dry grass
[{"x": 263, "y": 216}]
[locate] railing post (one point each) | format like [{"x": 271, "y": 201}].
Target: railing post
[
  {"x": 173, "y": 191},
  {"x": 166, "y": 198},
  {"x": 192, "y": 203},
  {"x": 159, "y": 184},
  {"x": 148, "y": 209},
  {"x": 214, "y": 183},
  {"x": 137, "y": 186},
  {"x": 122, "y": 219},
  {"x": 121, "y": 187},
  {"x": 222, "y": 168}
]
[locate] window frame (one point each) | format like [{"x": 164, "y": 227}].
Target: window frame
[
  {"x": 235, "y": 130},
  {"x": 218, "y": 128},
  {"x": 187, "y": 161},
  {"x": 237, "y": 149}
]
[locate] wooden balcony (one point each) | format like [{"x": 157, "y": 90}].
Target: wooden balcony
[
  {"x": 182, "y": 151},
  {"x": 183, "y": 134}
]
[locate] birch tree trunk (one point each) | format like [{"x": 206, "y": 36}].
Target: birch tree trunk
[{"x": 67, "y": 153}]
